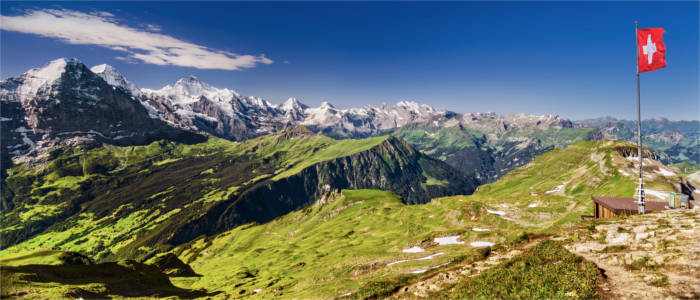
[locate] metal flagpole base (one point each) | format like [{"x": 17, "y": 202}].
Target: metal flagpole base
[{"x": 641, "y": 200}]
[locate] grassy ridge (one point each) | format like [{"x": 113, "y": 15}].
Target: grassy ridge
[
  {"x": 560, "y": 183},
  {"x": 546, "y": 271},
  {"x": 336, "y": 247},
  {"x": 99, "y": 200}
]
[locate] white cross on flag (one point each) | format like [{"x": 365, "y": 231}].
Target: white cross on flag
[{"x": 651, "y": 48}]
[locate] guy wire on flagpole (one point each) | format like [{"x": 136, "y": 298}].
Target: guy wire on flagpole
[{"x": 639, "y": 125}]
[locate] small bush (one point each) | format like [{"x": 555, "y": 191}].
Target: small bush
[
  {"x": 623, "y": 230},
  {"x": 659, "y": 280},
  {"x": 643, "y": 263},
  {"x": 602, "y": 237},
  {"x": 615, "y": 248}
]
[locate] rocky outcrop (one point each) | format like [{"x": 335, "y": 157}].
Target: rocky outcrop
[{"x": 639, "y": 256}]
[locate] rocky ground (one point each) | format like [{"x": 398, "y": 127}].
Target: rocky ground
[{"x": 655, "y": 256}]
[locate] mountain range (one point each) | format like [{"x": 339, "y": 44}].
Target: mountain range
[
  {"x": 39, "y": 109},
  {"x": 110, "y": 190}
]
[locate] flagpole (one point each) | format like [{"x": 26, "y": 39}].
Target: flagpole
[{"x": 639, "y": 125}]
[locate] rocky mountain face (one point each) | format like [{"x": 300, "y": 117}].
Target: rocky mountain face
[
  {"x": 63, "y": 101},
  {"x": 368, "y": 120},
  {"x": 190, "y": 103},
  {"x": 193, "y": 104}
]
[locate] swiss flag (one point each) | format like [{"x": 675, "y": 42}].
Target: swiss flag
[{"x": 651, "y": 48}]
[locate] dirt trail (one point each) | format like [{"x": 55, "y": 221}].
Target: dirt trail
[{"x": 655, "y": 256}]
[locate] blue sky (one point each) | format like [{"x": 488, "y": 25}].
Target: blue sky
[{"x": 574, "y": 59}]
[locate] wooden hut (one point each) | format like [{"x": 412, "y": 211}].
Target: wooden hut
[{"x": 609, "y": 207}]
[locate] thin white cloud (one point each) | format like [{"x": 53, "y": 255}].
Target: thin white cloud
[
  {"x": 102, "y": 29},
  {"x": 152, "y": 27}
]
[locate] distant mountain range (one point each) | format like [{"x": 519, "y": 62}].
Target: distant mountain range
[
  {"x": 65, "y": 100},
  {"x": 672, "y": 141}
]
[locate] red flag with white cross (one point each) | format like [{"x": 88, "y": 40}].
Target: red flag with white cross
[{"x": 651, "y": 48}]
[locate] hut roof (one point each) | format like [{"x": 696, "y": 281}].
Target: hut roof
[{"x": 626, "y": 205}]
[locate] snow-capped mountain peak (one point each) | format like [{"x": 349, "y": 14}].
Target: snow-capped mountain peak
[
  {"x": 326, "y": 105},
  {"x": 414, "y": 107},
  {"x": 292, "y": 104},
  {"x": 192, "y": 86},
  {"x": 114, "y": 78},
  {"x": 33, "y": 80},
  {"x": 64, "y": 99},
  {"x": 188, "y": 90}
]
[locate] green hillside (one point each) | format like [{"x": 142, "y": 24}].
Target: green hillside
[
  {"x": 686, "y": 168},
  {"x": 555, "y": 188},
  {"x": 352, "y": 242},
  {"x": 344, "y": 245},
  {"x": 336, "y": 246},
  {"x": 111, "y": 202},
  {"x": 58, "y": 274},
  {"x": 485, "y": 148}
]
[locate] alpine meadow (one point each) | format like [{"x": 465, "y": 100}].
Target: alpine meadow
[{"x": 236, "y": 150}]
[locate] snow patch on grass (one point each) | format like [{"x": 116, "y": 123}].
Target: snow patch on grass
[
  {"x": 414, "y": 249},
  {"x": 557, "y": 189},
  {"x": 666, "y": 172},
  {"x": 448, "y": 240},
  {"x": 431, "y": 256},
  {"x": 481, "y": 244},
  {"x": 396, "y": 262},
  {"x": 496, "y": 212}
]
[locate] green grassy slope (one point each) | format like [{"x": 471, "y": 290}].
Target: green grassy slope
[
  {"x": 58, "y": 275},
  {"x": 352, "y": 243},
  {"x": 337, "y": 245},
  {"x": 559, "y": 183},
  {"x": 686, "y": 168},
  {"x": 344, "y": 245},
  {"x": 113, "y": 202},
  {"x": 43, "y": 257},
  {"x": 546, "y": 271}
]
